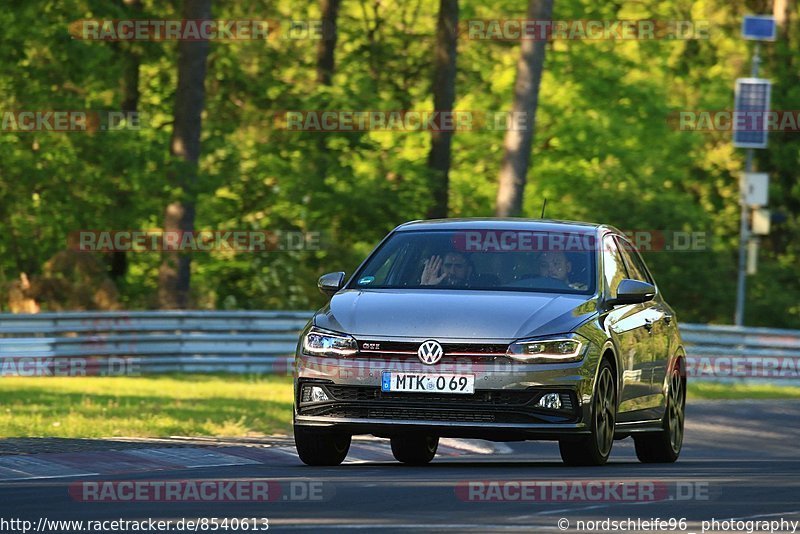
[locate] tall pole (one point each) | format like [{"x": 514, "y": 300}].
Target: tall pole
[
  {"x": 744, "y": 232},
  {"x": 744, "y": 236}
]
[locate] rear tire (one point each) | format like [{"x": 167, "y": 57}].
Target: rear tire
[
  {"x": 414, "y": 449},
  {"x": 321, "y": 447},
  {"x": 595, "y": 448},
  {"x": 664, "y": 446}
]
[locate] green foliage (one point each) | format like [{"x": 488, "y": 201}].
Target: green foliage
[{"x": 604, "y": 150}]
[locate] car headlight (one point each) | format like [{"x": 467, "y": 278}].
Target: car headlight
[
  {"x": 319, "y": 342},
  {"x": 556, "y": 349}
]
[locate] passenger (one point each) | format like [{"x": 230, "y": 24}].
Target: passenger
[{"x": 554, "y": 266}]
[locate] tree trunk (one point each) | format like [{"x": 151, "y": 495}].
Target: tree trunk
[
  {"x": 129, "y": 91},
  {"x": 327, "y": 45},
  {"x": 518, "y": 139},
  {"x": 444, "y": 95},
  {"x": 174, "y": 273},
  {"x": 781, "y": 10}
]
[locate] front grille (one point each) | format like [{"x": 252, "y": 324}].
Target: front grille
[
  {"x": 501, "y": 398},
  {"x": 353, "y": 393},
  {"x": 474, "y": 348}
]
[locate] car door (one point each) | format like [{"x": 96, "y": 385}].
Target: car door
[
  {"x": 627, "y": 327},
  {"x": 657, "y": 317}
]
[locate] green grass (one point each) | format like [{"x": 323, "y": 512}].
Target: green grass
[
  {"x": 145, "y": 406},
  {"x": 712, "y": 391}
]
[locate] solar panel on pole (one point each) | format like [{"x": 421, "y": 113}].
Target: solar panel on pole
[{"x": 752, "y": 102}]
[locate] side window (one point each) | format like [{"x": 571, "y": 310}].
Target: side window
[
  {"x": 633, "y": 262},
  {"x": 383, "y": 271},
  {"x": 386, "y": 266},
  {"x": 613, "y": 266}
]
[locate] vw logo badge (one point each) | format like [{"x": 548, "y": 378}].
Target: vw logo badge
[{"x": 430, "y": 352}]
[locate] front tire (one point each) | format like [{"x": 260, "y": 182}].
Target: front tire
[
  {"x": 321, "y": 447},
  {"x": 664, "y": 446},
  {"x": 596, "y": 448},
  {"x": 414, "y": 449}
]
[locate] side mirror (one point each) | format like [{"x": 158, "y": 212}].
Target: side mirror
[
  {"x": 331, "y": 283},
  {"x": 632, "y": 292}
]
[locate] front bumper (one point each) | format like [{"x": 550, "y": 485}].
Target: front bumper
[
  {"x": 488, "y": 414},
  {"x": 503, "y": 407}
]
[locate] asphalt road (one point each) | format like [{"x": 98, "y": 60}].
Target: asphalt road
[{"x": 741, "y": 461}]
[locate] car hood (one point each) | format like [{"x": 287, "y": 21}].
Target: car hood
[{"x": 453, "y": 314}]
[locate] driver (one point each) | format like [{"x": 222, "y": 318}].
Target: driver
[{"x": 452, "y": 270}]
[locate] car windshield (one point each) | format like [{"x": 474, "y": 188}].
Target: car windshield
[{"x": 552, "y": 262}]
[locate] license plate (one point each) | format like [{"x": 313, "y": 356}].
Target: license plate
[{"x": 427, "y": 383}]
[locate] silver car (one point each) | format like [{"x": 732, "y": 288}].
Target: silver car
[{"x": 498, "y": 329}]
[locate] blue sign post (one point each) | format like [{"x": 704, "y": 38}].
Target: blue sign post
[{"x": 758, "y": 27}]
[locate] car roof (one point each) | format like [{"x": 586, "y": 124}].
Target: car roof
[{"x": 505, "y": 223}]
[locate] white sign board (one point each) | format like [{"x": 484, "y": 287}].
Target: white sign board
[{"x": 756, "y": 192}]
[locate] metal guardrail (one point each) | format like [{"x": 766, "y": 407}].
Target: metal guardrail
[
  {"x": 731, "y": 353},
  {"x": 263, "y": 342},
  {"x": 149, "y": 342}
]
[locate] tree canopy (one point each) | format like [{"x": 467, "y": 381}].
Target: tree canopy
[{"x": 604, "y": 149}]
